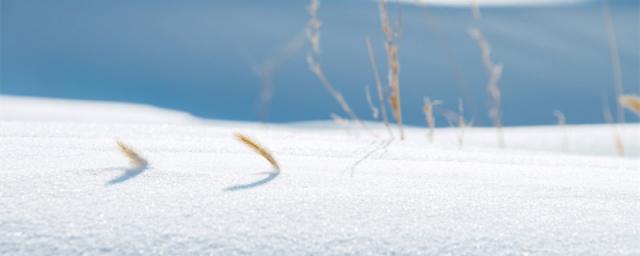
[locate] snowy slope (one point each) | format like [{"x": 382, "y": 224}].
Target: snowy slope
[{"x": 64, "y": 188}]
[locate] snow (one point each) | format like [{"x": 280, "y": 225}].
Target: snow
[{"x": 66, "y": 190}]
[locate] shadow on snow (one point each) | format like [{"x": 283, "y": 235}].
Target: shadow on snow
[
  {"x": 270, "y": 176},
  {"x": 129, "y": 173}
]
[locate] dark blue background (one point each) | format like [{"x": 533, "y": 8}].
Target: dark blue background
[{"x": 202, "y": 56}]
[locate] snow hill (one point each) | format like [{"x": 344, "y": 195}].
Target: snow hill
[{"x": 66, "y": 190}]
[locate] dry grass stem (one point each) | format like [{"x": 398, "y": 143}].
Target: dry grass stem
[
  {"x": 134, "y": 158},
  {"x": 393, "y": 67},
  {"x": 399, "y": 23},
  {"x": 485, "y": 48},
  {"x": 313, "y": 26},
  {"x": 630, "y": 102},
  {"x": 266, "y": 70},
  {"x": 262, "y": 151},
  {"x": 381, "y": 94},
  {"x": 615, "y": 58},
  {"x": 562, "y": 121},
  {"x": 475, "y": 9},
  {"x": 317, "y": 70},
  {"x": 495, "y": 72},
  {"x": 457, "y": 119},
  {"x": 339, "y": 120},
  {"x": 384, "y": 144},
  {"x": 461, "y": 123},
  {"x": 617, "y": 140},
  {"x": 313, "y": 34},
  {"x": 427, "y": 109},
  {"x": 374, "y": 111},
  {"x": 496, "y": 98}
]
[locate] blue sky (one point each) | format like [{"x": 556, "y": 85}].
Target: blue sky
[{"x": 203, "y": 57}]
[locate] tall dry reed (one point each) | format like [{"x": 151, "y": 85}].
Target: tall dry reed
[
  {"x": 615, "y": 58},
  {"x": 393, "y": 67},
  {"x": 380, "y": 92}
]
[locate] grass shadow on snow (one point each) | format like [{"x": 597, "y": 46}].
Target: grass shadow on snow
[
  {"x": 129, "y": 173},
  {"x": 99, "y": 170},
  {"x": 270, "y": 176}
]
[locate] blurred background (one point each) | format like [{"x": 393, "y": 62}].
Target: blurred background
[{"x": 214, "y": 58}]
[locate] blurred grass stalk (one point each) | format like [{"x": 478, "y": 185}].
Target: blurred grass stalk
[
  {"x": 495, "y": 72},
  {"x": 313, "y": 34},
  {"x": 393, "y": 66}
]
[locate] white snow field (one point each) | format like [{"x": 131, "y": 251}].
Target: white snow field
[{"x": 65, "y": 189}]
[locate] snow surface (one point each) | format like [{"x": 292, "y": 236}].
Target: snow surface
[{"x": 66, "y": 190}]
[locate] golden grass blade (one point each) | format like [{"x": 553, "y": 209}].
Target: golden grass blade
[
  {"x": 262, "y": 151},
  {"x": 630, "y": 102},
  {"x": 134, "y": 158}
]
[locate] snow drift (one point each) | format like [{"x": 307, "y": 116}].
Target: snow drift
[{"x": 57, "y": 194}]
